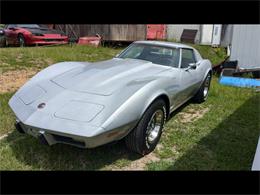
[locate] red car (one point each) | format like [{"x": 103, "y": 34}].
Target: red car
[{"x": 32, "y": 34}]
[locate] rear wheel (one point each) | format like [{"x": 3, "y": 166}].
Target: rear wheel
[
  {"x": 144, "y": 138},
  {"x": 203, "y": 92},
  {"x": 2, "y": 42},
  {"x": 21, "y": 40}
]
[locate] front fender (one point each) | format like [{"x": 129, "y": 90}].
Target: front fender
[{"x": 130, "y": 112}]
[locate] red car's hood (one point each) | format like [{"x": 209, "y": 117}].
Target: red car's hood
[{"x": 44, "y": 31}]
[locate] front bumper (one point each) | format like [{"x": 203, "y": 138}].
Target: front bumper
[
  {"x": 39, "y": 40},
  {"x": 49, "y": 137},
  {"x": 43, "y": 42}
]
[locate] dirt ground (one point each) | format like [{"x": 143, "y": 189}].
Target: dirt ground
[
  {"x": 10, "y": 81},
  {"x": 141, "y": 163},
  {"x": 192, "y": 115}
]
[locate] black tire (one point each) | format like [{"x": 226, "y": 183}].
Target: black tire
[
  {"x": 6, "y": 43},
  {"x": 201, "y": 95},
  {"x": 21, "y": 40},
  {"x": 2, "y": 41},
  {"x": 139, "y": 139}
]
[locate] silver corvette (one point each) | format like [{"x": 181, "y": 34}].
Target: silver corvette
[{"x": 130, "y": 96}]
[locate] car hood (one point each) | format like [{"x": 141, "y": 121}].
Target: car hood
[
  {"x": 44, "y": 31},
  {"x": 106, "y": 77}
]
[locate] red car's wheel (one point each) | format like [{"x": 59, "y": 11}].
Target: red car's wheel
[
  {"x": 6, "y": 43},
  {"x": 21, "y": 40}
]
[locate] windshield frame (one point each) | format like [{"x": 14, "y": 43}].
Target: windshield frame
[{"x": 152, "y": 45}]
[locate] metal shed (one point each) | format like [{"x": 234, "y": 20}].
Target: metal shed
[
  {"x": 245, "y": 46},
  {"x": 115, "y": 32}
]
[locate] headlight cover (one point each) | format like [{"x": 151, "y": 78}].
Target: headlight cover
[{"x": 37, "y": 34}]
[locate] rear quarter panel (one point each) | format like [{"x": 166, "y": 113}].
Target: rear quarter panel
[{"x": 203, "y": 69}]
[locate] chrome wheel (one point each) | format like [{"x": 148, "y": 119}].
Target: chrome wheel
[
  {"x": 146, "y": 135},
  {"x": 154, "y": 126},
  {"x": 206, "y": 86}
]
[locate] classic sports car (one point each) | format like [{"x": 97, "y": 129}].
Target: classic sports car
[
  {"x": 32, "y": 34},
  {"x": 130, "y": 96}
]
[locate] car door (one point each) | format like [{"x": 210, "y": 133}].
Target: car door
[
  {"x": 10, "y": 34},
  {"x": 188, "y": 76}
]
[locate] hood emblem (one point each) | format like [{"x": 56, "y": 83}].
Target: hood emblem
[{"x": 41, "y": 105}]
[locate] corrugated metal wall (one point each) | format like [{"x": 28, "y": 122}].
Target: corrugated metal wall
[
  {"x": 245, "y": 46},
  {"x": 114, "y": 32},
  {"x": 174, "y": 31},
  {"x": 226, "y": 35}
]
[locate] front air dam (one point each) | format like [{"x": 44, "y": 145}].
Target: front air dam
[{"x": 18, "y": 127}]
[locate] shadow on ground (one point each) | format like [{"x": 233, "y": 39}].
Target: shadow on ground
[
  {"x": 230, "y": 146},
  {"x": 31, "y": 153}
]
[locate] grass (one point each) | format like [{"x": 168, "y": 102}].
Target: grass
[
  {"x": 40, "y": 57},
  {"x": 216, "y": 55},
  {"x": 6, "y": 116},
  {"x": 223, "y": 138}
]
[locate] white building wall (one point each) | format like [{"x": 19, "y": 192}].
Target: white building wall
[
  {"x": 245, "y": 46},
  {"x": 174, "y": 31},
  {"x": 206, "y": 34}
]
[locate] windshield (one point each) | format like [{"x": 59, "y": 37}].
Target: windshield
[
  {"x": 167, "y": 56},
  {"x": 28, "y": 25}
]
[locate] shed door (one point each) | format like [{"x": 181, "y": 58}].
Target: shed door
[{"x": 156, "y": 31}]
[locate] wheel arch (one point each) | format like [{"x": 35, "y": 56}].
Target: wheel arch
[
  {"x": 210, "y": 72},
  {"x": 21, "y": 34},
  {"x": 166, "y": 99}
]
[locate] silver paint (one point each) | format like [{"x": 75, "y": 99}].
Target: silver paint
[{"x": 100, "y": 102}]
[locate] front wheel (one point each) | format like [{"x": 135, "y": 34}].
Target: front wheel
[
  {"x": 144, "y": 138},
  {"x": 203, "y": 92},
  {"x": 21, "y": 40}
]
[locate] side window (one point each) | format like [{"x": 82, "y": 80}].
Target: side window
[{"x": 187, "y": 58}]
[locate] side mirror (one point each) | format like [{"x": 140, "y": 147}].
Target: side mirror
[{"x": 192, "y": 66}]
